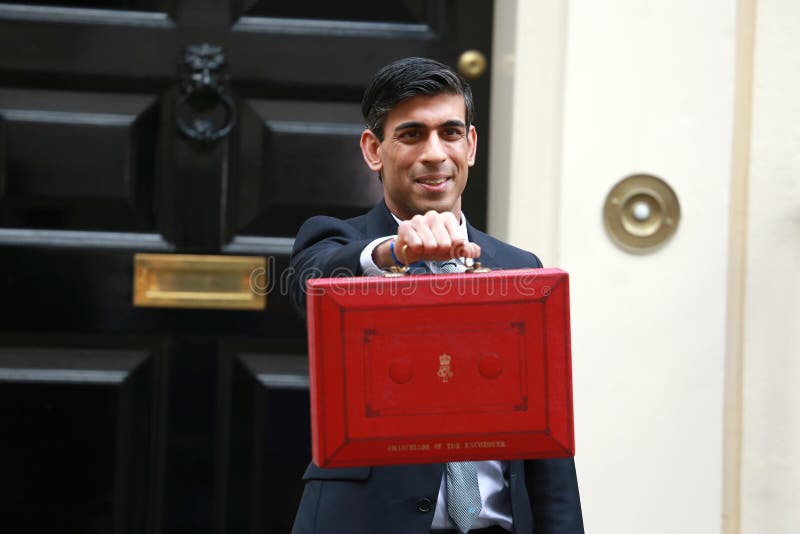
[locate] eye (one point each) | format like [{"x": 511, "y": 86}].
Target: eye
[
  {"x": 453, "y": 133},
  {"x": 408, "y": 135}
]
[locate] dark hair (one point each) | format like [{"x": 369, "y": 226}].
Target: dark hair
[{"x": 409, "y": 77}]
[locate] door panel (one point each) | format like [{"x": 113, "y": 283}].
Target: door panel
[
  {"x": 102, "y": 175},
  {"x": 269, "y": 439},
  {"x": 126, "y": 5},
  {"x": 77, "y": 449},
  {"x": 407, "y": 11},
  {"x": 281, "y": 181},
  {"x": 195, "y": 420}
]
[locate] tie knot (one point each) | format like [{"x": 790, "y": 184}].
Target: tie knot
[{"x": 446, "y": 267}]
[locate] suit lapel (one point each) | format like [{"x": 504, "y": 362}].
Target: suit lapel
[
  {"x": 380, "y": 222},
  {"x": 488, "y": 249}
]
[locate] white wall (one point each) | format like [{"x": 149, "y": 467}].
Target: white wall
[
  {"x": 628, "y": 86},
  {"x": 770, "y": 491},
  {"x": 649, "y": 89}
]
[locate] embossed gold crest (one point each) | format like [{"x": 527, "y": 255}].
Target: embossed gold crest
[{"x": 444, "y": 372}]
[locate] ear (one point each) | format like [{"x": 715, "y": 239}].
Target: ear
[
  {"x": 472, "y": 145},
  {"x": 370, "y": 149}
]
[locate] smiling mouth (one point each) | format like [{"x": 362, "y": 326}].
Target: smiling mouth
[{"x": 433, "y": 181}]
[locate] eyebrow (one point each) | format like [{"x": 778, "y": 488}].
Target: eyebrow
[{"x": 415, "y": 124}]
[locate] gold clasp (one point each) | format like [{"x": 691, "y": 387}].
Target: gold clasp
[
  {"x": 477, "y": 268},
  {"x": 394, "y": 271}
]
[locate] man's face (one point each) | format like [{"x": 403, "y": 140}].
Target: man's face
[{"x": 425, "y": 154}]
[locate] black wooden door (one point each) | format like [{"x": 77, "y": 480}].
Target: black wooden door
[{"x": 118, "y": 418}]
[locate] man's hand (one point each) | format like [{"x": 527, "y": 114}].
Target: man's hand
[{"x": 433, "y": 236}]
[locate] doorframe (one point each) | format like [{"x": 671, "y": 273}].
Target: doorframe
[{"x": 528, "y": 58}]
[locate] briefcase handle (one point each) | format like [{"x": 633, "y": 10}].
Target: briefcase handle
[{"x": 397, "y": 270}]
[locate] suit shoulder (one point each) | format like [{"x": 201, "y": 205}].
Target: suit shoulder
[
  {"x": 321, "y": 227},
  {"x": 512, "y": 256},
  {"x": 520, "y": 256},
  {"x": 321, "y": 222}
]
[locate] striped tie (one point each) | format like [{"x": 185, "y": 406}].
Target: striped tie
[
  {"x": 446, "y": 267},
  {"x": 463, "y": 492}
]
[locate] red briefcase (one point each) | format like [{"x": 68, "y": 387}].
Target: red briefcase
[{"x": 435, "y": 368}]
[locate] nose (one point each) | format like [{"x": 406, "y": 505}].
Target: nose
[{"x": 434, "y": 149}]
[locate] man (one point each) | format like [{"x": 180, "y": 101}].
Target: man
[{"x": 421, "y": 140}]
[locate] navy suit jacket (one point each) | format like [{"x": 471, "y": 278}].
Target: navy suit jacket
[{"x": 402, "y": 499}]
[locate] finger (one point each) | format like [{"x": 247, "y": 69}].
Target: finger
[
  {"x": 408, "y": 247},
  {"x": 440, "y": 232},
  {"x": 457, "y": 248},
  {"x": 407, "y": 235},
  {"x": 466, "y": 249},
  {"x": 452, "y": 225},
  {"x": 410, "y": 240},
  {"x": 425, "y": 233},
  {"x": 475, "y": 251}
]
